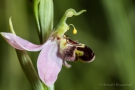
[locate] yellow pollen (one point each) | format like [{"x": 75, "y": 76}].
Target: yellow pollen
[{"x": 74, "y": 31}]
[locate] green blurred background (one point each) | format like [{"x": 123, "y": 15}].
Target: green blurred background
[{"x": 108, "y": 27}]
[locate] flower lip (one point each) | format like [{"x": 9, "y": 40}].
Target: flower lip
[
  {"x": 80, "y": 52},
  {"x": 88, "y": 54}
]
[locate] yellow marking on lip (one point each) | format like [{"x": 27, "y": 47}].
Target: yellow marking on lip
[{"x": 79, "y": 53}]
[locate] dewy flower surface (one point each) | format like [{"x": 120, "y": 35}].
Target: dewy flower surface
[{"x": 54, "y": 51}]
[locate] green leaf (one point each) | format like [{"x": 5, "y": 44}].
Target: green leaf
[
  {"x": 29, "y": 70},
  {"x": 46, "y": 18}
]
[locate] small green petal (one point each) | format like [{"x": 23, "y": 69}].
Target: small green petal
[{"x": 11, "y": 26}]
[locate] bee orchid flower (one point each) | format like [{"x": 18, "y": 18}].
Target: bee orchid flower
[{"x": 55, "y": 51}]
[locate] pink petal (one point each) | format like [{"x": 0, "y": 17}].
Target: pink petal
[
  {"x": 20, "y": 43},
  {"x": 49, "y": 63}
]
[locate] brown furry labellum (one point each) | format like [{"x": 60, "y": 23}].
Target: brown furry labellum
[{"x": 73, "y": 51}]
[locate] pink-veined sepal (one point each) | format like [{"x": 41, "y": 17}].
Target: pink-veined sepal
[{"x": 49, "y": 63}]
